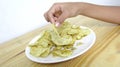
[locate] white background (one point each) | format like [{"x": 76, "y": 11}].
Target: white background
[{"x": 20, "y": 16}]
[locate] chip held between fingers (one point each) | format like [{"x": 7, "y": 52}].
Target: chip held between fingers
[{"x": 57, "y": 24}]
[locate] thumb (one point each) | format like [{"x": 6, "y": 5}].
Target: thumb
[{"x": 61, "y": 18}]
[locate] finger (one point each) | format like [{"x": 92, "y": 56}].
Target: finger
[
  {"x": 55, "y": 18},
  {"x": 51, "y": 17},
  {"x": 62, "y": 17},
  {"x": 54, "y": 13},
  {"x": 57, "y": 24},
  {"x": 50, "y": 14},
  {"x": 46, "y": 17}
]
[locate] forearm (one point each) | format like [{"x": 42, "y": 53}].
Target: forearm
[{"x": 105, "y": 13}]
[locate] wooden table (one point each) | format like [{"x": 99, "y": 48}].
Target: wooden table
[{"x": 104, "y": 53}]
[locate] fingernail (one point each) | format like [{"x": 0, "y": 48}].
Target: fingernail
[{"x": 57, "y": 24}]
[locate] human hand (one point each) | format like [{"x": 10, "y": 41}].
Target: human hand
[{"x": 60, "y": 11}]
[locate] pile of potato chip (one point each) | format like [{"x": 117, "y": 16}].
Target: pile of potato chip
[{"x": 58, "y": 44}]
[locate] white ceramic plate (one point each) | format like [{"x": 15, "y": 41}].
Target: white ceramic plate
[{"x": 87, "y": 41}]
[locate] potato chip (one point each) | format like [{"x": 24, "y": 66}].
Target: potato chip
[
  {"x": 73, "y": 31},
  {"x": 37, "y": 51},
  {"x": 62, "y": 53},
  {"x": 59, "y": 41}
]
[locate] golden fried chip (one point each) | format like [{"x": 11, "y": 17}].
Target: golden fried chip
[
  {"x": 37, "y": 51},
  {"x": 62, "y": 53},
  {"x": 59, "y": 42}
]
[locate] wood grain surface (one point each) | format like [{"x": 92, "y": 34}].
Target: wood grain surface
[{"x": 104, "y": 53}]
